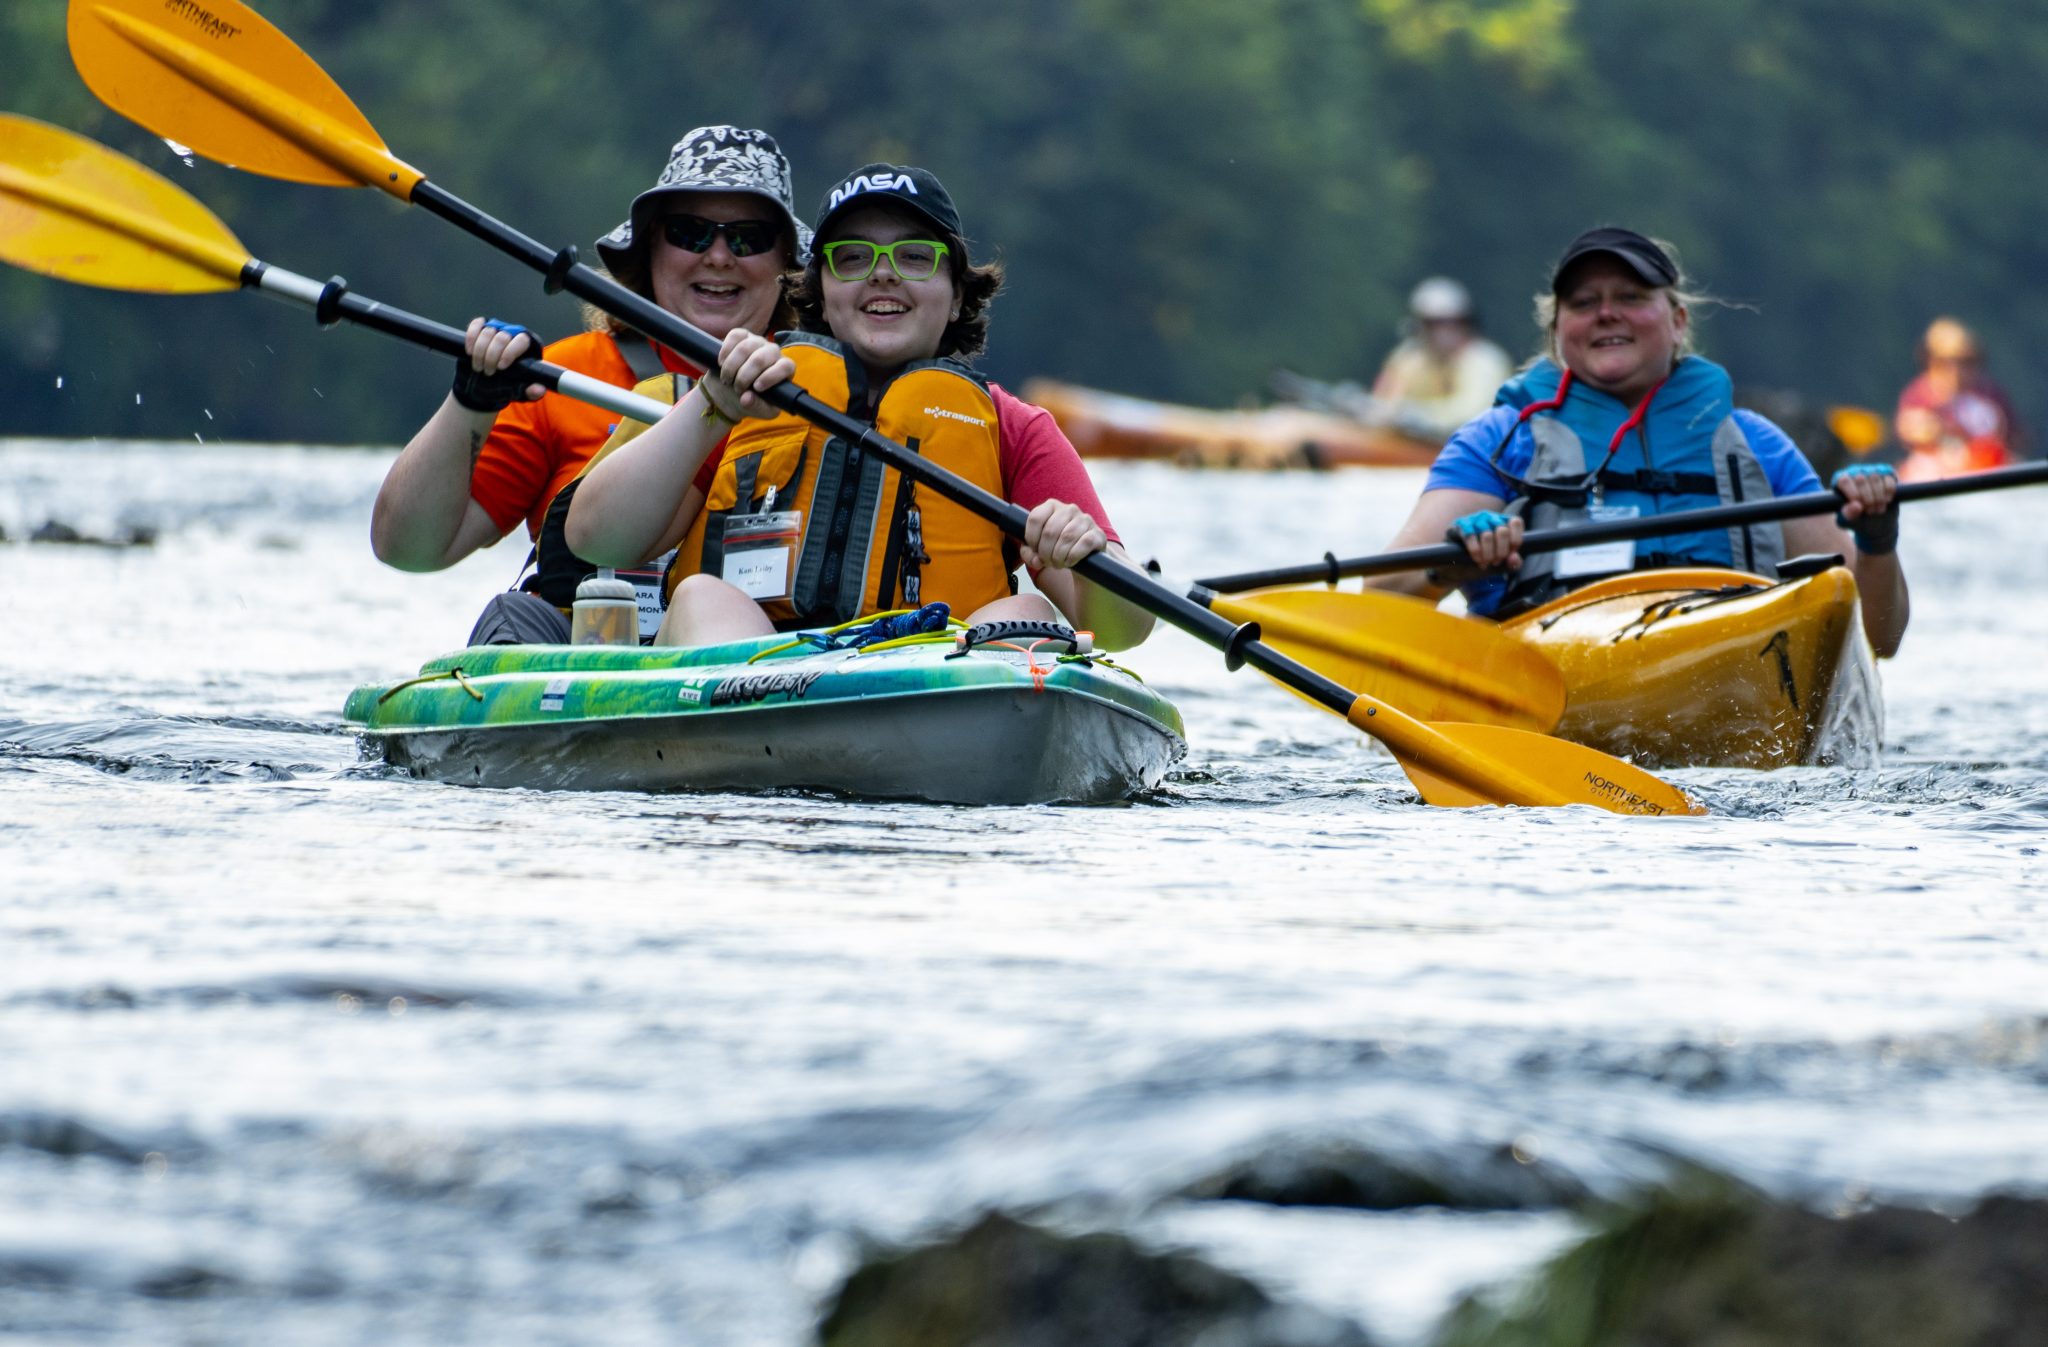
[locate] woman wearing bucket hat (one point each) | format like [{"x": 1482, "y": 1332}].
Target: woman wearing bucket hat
[
  {"x": 799, "y": 528},
  {"x": 709, "y": 242},
  {"x": 1619, "y": 416}
]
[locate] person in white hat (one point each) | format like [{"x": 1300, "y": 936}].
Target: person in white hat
[
  {"x": 1443, "y": 373},
  {"x": 709, "y": 242}
]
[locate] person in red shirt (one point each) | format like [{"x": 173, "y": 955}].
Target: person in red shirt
[
  {"x": 709, "y": 242},
  {"x": 1953, "y": 418},
  {"x": 890, "y": 308}
]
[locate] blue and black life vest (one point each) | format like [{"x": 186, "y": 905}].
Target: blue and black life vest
[{"x": 1683, "y": 450}]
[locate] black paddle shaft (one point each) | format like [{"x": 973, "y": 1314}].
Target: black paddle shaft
[
  {"x": 1330, "y": 570},
  {"x": 1240, "y": 644},
  {"x": 337, "y": 302}
]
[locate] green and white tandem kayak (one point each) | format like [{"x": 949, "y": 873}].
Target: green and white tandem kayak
[{"x": 1008, "y": 719}]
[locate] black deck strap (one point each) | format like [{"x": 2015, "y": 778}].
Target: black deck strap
[
  {"x": 327, "y": 309},
  {"x": 1017, "y": 631},
  {"x": 557, "y": 274},
  {"x": 1336, "y": 571},
  {"x": 1233, "y": 649}
]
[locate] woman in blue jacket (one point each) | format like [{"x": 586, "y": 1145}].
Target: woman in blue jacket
[{"x": 1619, "y": 419}]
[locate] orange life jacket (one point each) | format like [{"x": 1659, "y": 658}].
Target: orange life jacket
[{"x": 817, "y": 531}]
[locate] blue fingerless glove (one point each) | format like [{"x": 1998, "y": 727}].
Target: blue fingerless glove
[
  {"x": 1876, "y": 535},
  {"x": 495, "y": 392},
  {"x": 1476, "y": 523}
]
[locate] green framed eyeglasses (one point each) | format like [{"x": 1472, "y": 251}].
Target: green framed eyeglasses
[{"x": 910, "y": 259}]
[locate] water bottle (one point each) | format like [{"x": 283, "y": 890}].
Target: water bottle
[{"x": 606, "y": 612}]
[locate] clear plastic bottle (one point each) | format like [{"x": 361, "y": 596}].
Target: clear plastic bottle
[{"x": 606, "y": 612}]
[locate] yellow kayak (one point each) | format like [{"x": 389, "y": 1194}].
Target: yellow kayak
[{"x": 1713, "y": 668}]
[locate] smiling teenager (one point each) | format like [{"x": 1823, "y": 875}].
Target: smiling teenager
[
  {"x": 1621, "y": 417},
  {"x": 709, "y": 242},
  {"x": 799, "y": 527}
]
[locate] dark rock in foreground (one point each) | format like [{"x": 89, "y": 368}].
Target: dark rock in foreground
[
  {"x": 1709, "y": 1263},
  {"x": 57, "y": 531},
  {"x": 1341, "y": 1174},
  {"x": 1006, "y": 1284}
]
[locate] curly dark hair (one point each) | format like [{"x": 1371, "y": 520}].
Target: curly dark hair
[{"x": 965, "y": 337}]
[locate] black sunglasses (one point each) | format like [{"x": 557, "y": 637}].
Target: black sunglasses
[{"x": 695, "y": 234}]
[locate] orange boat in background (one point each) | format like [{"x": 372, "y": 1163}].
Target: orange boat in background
[{"x": 1110, "y": 425}]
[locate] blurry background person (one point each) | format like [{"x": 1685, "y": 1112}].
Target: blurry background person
[
  {"x": 1443, "y": 373},
  {"x": 1952, "y": 418}
]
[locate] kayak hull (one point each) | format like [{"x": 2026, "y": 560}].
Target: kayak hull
[
  {"x": 896, "y": 724},
  {"x": 1707, "y": 667},
  {"x": 1111, "y": 425}
]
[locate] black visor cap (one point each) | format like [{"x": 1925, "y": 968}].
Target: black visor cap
[{"x": 1651, "y": 264}]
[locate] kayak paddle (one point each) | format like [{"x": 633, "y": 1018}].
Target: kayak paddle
[
  {"x": 1402, "y": 650},
  {"x": 1330, "y": 570},
  {"x": 78, "y": 211},
  {"x": 218, "y": 81}
]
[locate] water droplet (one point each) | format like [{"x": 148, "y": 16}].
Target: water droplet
[
  {"x": 138, "y": 399},
  {"x": 208, "y": 411},
  {"x": 183, "y": 152},
  {"x": 60, "y": 381}
]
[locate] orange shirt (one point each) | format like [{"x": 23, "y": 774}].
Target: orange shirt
[{"x": 537, "y": 448}]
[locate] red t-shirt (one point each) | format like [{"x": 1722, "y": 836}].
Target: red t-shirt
[
  {"x": 537, "y": 448},
  {"x": 1979, "y": 410},
  {"x": 1039, "y": 463}
]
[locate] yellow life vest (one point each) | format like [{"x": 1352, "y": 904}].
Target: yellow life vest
[{"x": 817, "y": 531}]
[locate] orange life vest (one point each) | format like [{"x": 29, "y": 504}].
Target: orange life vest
[{"x": 817, "y": 531}]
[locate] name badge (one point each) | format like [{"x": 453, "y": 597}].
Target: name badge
[
  {"x": 646, "y": 582},
  {"x": 1600, "y": 558},
  {"x": 758, "y": 548}
]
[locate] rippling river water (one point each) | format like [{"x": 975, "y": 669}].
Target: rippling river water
[{"x": 293, "y": 1049}]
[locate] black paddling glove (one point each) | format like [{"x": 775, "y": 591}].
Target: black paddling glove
[
  {"x": 495, "y": 392},
  {"x": 1876, "y": 535}
]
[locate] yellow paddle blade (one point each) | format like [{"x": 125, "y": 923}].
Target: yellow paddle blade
[
  {"x": 1858, "y": 428},
  {"x": 217, "y": 76},
  {"x": 1401, "y": 650},
  {"x": 76, "y": 210},
  {"x": 1457, "y": 766}
]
